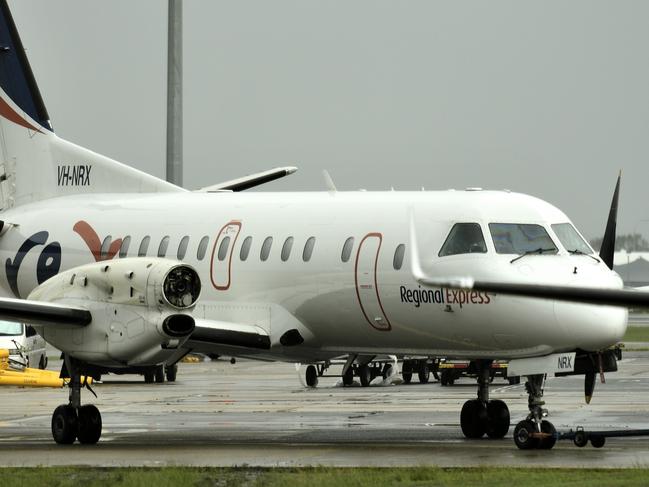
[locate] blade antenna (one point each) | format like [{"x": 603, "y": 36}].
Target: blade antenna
[{"x": 607, "y": 249}]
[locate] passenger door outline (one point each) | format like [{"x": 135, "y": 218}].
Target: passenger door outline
[
  {"x": 231, "y": 229},
  {"x": 366, "y": 281}
]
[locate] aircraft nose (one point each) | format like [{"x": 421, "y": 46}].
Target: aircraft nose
[{"x": 590, "y": 327}]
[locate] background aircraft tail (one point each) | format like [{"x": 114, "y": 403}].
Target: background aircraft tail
[{"x": 35, "y": 164}]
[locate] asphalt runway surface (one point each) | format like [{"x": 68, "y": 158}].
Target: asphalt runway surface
[{"x": 258, "y": 414}]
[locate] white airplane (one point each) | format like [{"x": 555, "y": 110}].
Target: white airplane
[{"x": 117, "y": 268}]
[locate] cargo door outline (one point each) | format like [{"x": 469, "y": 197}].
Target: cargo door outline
[
  {"x": 365, "y": 278},
  {"x": 221, "y": 271}
]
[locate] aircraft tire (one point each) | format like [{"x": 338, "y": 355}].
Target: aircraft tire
[
  {"x": 348, "y": 377},
  {"x": 311, "y": 376},
  {"x": 473, "y": 419},
  {"x": 89, "y": 425},
  {"x": 365, "y": 375},
  {"x": 65, "y": 425},
  {"x": 171, "y": 372},
  {"x": 548, "y": 442},
  {"x": 159, "y": 374},
  {"x": 523, "y": 435},
  {"x": 497, "y": 419}
]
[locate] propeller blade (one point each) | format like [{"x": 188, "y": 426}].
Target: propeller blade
[
  {"x": 607, "y": 249},
  {"x": 589, "y": 386}
]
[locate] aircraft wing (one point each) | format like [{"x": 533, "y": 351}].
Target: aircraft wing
[
  {"x": 585, "y": 295},
  {"x": 210, "y": 333},
  {"x": 43, "y": 314},
  {"x": 250, "y": 181}
]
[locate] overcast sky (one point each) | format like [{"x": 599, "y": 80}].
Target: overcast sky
[{"x": 548, "y": 98}]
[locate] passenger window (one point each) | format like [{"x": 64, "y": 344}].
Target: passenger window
[
  {"x": 464, "y": 238},
  {"x": 202, "y": 248},
  {"x": 162, "y": 248},
  {"x": 286, "y": 249},
  {"x": 347, "y": 249},
  {"x": 182, "y": 247},
  {"x": 123, "y": 250},
  {"x": 105, "y": 245},
  {"x": 223, "y": 248},
  {"x": 144, "y": 246},
  {"x": 397, "y": 262},
  {"x": 308, "y": 249},
  {"x": 245, "y": 248},
  {"x": 265, "y": 248},
  {"x": 518, "y": 238}
]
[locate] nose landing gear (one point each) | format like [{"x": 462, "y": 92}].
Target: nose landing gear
[
  {"x": 534, "y": 432},
  {"x": 481, "y": 416},
  {"x": 73, "y": 421}
]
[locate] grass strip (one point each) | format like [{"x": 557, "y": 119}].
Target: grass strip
[{"x": 317, "y": 477}]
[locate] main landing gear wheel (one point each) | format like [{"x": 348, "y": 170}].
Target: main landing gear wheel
[
  {"x": 73, "y": 421},
  {"x": 497, "y": 419},
  {"x": 348, "y": 377},
  {"x": 65, "y": 425},
  {"x": 473, "y": 419},
  {"x": 89, "y": 425},
  {"x": 311, "y": 376},
  {"x": 171, "y": 372},
  {"x": 160, "y": 374}
]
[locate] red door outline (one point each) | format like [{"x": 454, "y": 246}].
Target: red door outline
[
  {"x": 227, "y": 230},
  {"x": 364, "y": 290}
]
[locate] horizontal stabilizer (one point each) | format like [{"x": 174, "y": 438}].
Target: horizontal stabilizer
[
  {"x": 247, "y": 182},
  {"x": 43, "y": 314},
  {"x": 226, "y": 333}
]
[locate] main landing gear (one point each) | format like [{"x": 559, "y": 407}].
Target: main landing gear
[
  {"x": 73, "y": 421},
  {"x": 481, "y": 416},
  {"x": 534, "y": 432}
]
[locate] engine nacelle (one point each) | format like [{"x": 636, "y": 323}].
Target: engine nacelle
[{"x": 141, "y": 310}]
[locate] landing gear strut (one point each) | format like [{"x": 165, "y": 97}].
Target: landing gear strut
[
  {"x": 481, "y": 416},
  {"x": 73, "y": 421},
  {"x": 534, "y": 432}
]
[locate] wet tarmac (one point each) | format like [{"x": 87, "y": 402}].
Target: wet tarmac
[{"x": 258, "y": 414}]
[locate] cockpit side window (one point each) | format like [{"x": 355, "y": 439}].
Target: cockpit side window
[
  {"x": 518, "y": 238},
  {"x": 464, "y": 238},
  {"x": 570, "y": 239}
]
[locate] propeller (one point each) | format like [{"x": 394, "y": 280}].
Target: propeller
[{"x": 607, "y": 250}]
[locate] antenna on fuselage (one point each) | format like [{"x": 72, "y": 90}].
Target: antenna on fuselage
[{"x": 329, "y": 183}]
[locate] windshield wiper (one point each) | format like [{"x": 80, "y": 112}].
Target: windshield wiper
[
  {"x": 579, "y": 252},
  {"x": 539, "y": 251}
]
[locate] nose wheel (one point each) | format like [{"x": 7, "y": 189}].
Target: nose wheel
[
  {"x": 534, "y": 432},
  {"x": 73, "y": 421}
]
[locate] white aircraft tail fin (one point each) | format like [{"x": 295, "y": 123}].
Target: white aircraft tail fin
[{"x": 35, "y": 164}]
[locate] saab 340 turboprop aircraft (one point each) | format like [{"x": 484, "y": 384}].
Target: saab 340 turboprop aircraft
[{"x": 119, "y": 269}]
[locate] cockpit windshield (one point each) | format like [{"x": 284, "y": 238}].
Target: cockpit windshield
[
  {"x": 521, "y": 238},
  {"x": 464, "y": 238},
  {"x": 570, "y": 239}
]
